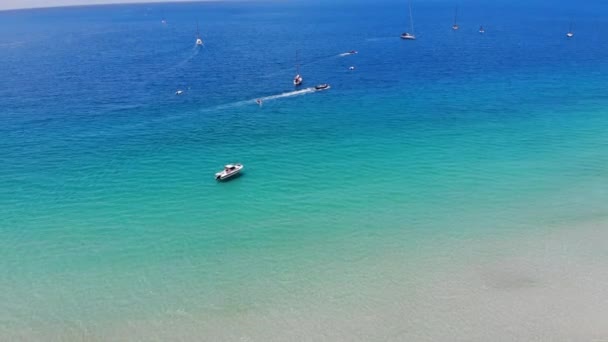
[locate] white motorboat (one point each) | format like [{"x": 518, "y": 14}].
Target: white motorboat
[
  {"x": 179, "y": 92},
  {"x": 229, "y": 171},
  {"x": 351, "y": 68}
]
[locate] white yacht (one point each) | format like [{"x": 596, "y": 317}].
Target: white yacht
[
  {"x": 229, "y": 171},
  {"x": 199, "y": 41},
  {"x": 409, "y": 35},
  {"x": 455, "y": 26},
  {"x": 570, "y": 33},
  {"x": 297, "y": 79}
]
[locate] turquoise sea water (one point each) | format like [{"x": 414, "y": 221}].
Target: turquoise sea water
[{"x": 112, "y": 226}]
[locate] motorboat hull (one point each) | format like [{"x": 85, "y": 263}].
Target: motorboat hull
[{"x": 228, "y": 174}]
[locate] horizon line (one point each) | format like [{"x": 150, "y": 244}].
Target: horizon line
[{"x": 107, "y": 3}]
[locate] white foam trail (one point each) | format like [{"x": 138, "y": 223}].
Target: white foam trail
[
  {"x": 193, "y": 54},
  {"x": 377, "y": 39},
  {"x": 264, "y": 98},
  {"x": 289, "y": 94}
]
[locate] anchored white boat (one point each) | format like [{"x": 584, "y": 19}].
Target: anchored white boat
[
  {"x": 455, "y": 26},
  {"x": 570, "y": 33},
  {"x": 297, "y": 80},
  {"x": 199, "y": 41},
  {"x": 229, "y": 171},
  {"x": 409, "y": 35}
]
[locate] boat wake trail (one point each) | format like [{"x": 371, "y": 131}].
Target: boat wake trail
[
  {"x": 194, "y": 53},
  {"x": 288, "y": 94},
  {"x": 263, "y": 99},
  {"x": 378, "y": 39}
]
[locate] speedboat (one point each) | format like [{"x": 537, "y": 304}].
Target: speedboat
[
  {"x": 570, "y": 34},
  {"x": 297, "y": 80},
  {"x": 323, "y": 86},
  {"x": 179, "y": 92},
  {"x": 351, "y": 68},
  {"x": 229, "y": 171},
  {"x": 353, "y": 52},
  {"x": 408, "y": 36}
]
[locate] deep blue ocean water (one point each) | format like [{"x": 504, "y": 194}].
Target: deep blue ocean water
[{"x": 108, "y": 207}]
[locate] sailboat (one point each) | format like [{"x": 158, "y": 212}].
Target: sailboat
[
  {"x": 199, "y": 41},
  {"x": 455, "y": 26},
  {"x": 481, "y": 29},
  {"x": 570, "y": 33},
  {"x": 297, "y": 79},
  {"x": 409, "y": 35}
]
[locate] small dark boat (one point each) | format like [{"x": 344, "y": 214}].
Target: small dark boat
[{"x": 323, "y": 86}]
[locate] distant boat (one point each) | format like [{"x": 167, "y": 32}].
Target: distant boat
[
  {"x": 163, "y": 21},
  {"x": 297, "y": 79},
  {"x": 323, "y": 86},
  {"x": 481, "y": 29},
  {"x": 570, "y": 33},
  {"x": 351, "y": 68},
  {"x": 199, "y": 41},
  {"x": 409, "y": 35},
  {"x": 455, "y": 26},
  {"x": 179, "y": 92}
]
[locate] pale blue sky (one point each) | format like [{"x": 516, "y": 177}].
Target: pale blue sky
[{"x": 13, "y": 4}]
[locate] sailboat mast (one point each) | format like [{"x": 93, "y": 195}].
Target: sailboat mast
[
  {"x": 456, "y": 16},
  {"x": 411, "y": 18},
  {"x": 297, "y": 63}
]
